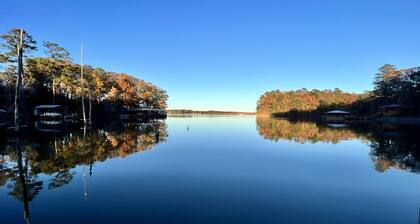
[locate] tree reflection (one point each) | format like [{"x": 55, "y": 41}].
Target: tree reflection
[
  {"x": 391, "y": 146},
  {"x": 24, "y": 184},
  {"x": 397, "y": 147},
  {"x": 60, "y": 179},
  {"x": 302, "y": 131},
  {"x": 24, "y": 157}
]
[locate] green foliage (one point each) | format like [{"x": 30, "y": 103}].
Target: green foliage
[
  {"x": 397, "y": 86},
  {"x": 11, "y": 41},
  {"x": 56, "y": 76},
  {"x": 56, "y": 52}
]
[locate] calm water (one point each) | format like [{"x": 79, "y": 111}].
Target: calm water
[{"x": 212, "y": 170}]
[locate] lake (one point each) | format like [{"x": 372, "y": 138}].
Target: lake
[{"x": 220, "y": 169}]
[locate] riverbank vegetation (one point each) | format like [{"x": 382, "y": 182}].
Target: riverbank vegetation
[
  {"x": 391, "y": 86},
  {"x": 56, "y": 79}
]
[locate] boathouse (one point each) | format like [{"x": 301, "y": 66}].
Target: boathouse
[
  {"x": 336, "y": 115},
  {"x": 394, "y": 110},
  {"x": 48, "y": 112}
]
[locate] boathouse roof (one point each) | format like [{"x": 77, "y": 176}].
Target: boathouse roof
[
  {"x": 337, "y": 125},
  {"x": 391, "y": 106},
  {"x": 337, "y": 112},
  {"x": 52, "y": 106}
]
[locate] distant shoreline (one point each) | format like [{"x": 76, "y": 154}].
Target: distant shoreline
[{"x": 206, "y": 112}]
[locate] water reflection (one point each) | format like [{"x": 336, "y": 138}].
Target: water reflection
[
  {"x": 207, "y": 171},
  {"x": 391, "y": 146},
  {"x": 304, "y": 131},
  {"x": 397, "y": 147},
  {"x": 55, "y": 153}
]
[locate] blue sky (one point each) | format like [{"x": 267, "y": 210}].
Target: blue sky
[{"x": 223, "y": 54}]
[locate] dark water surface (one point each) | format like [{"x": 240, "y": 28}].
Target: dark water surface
[{"x": 212, "y": 170}]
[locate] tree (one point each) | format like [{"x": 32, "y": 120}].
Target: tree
[
  {"x": 126, "y": 85},
  {"x": 17, "y": 42},
  {"x": 58, "y": 56},
  {"x": 11, "y": 41},
  {"x": 56, "y": 52},
  {"x": 383, "y": 81},
  {"x": 100, "y": 83},
  {"x": 8, "y": 79}
]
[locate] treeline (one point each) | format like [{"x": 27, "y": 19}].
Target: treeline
[
  {"x": 391, "y": 86},
  {"x": 304, "y": 101},
  {"x": 56, "y": 79},
  {"x": 205, "y": 112}
]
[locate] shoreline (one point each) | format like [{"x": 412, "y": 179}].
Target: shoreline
[{"x": 205, "y": 112}]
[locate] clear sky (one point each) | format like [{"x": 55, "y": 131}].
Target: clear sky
[{"x": 223, "y": 54}]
